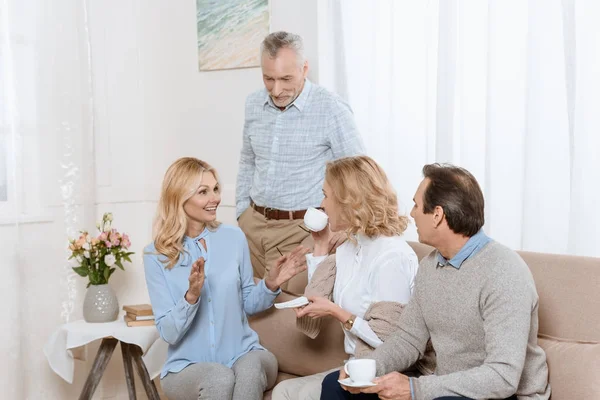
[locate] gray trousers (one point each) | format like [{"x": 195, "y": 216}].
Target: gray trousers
[{"x": 249, "y": 377}]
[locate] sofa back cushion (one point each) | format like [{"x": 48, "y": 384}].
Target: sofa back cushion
[{"x": 568, "y": 287}]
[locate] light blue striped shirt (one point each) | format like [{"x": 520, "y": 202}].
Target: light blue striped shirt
[
  {"x": 283, "y": 157},
  {"x": 215, "y": 329}
]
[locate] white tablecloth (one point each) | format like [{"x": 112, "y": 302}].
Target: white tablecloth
[{"x": 69, "y": 342}]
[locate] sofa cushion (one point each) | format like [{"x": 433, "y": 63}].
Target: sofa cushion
[
  {"x": 569, "y": 295},
  {"x": 574, "y": 368}
]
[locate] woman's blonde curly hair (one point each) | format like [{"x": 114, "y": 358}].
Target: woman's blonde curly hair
[
  {"x": 368, "y": 202},
  {"x": 181, "y": 181}
]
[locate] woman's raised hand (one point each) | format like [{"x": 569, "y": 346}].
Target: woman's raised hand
[
  {"x": 286, "y": 267},
  {"x": 196, "y": 281}
]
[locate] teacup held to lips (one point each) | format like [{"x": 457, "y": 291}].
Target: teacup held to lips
[
  {"x": 315, "y": 220},
  {"x": 361, "y": 371}
]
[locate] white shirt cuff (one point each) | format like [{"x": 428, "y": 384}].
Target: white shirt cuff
[{"x": 361, "y": 329}]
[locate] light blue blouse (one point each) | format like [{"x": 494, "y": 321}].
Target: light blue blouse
[{"x": 215, "y": 329}]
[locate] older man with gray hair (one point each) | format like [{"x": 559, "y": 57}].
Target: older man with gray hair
[{"x": 292, "y": 128}]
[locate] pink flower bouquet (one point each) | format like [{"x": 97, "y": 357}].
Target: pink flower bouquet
[{"x": 98, "y": 256}]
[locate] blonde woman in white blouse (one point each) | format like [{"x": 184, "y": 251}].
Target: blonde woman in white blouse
[{"x": 375, "y": 264}]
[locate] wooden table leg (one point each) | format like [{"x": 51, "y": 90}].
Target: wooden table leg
[
  {"x": 149, "y": 386},
  {"x": 100, "y": 362},
  {"x": 126, "y": 351}
]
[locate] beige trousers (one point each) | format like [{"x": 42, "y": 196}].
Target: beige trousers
[
  {"x": 265, "y": 236},
  {"x": 304, "y": 388}
]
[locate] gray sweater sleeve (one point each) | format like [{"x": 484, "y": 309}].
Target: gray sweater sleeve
[
  {"x": 506, "y": 305},
  {"x": 405, "y": 346}
]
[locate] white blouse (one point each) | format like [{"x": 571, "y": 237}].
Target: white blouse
[{"x": 370, "y": 271}]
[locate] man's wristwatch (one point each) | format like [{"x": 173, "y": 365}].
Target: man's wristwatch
[{"x": 349, "y": 323}]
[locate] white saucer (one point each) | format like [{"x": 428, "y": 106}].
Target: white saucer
[
  {"x": 295, "y": 303},
  {"x": 350, "y": 383}
]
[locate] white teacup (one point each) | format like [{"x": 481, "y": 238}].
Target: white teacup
[
  {"x": 361, "y": 371},
  {"x": 315, "y": 220}
]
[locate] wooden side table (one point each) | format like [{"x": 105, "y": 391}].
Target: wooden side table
[
  {"x": 131, "y": 353},
  {"x": 66, "y": 342}
]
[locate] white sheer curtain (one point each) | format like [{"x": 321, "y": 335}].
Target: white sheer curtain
[
  {"x": 507, "y": 89},
  {"x": 46, "y": 183}
]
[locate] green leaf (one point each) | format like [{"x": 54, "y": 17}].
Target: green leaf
[
  {"x": 106, "y": 274},
  {"x": 120, "y": 264},
  {"x": 126, "y": 258},
  {"x": 94, "y": 277},
  {"x": 88, "y": 285},
  {"x": 111, "y": 271},
  {"x": 81, "y": 271}
]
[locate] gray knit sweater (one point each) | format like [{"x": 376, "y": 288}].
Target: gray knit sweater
[{"x": 483, "y": 322}]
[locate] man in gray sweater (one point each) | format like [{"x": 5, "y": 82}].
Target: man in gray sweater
[{"x": 474, "y": 298}]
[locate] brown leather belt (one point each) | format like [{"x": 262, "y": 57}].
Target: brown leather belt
[{"x": 273, "y": 213}]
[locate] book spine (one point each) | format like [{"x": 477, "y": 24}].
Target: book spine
[
  {"x": 140, "y": 323},
  {"x": 140, "y": 317}
]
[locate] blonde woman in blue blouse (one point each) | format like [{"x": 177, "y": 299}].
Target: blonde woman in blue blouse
[{"x": 201, "y": 287}]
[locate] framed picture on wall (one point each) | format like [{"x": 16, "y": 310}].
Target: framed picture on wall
[{"x": 230, "y": 33}]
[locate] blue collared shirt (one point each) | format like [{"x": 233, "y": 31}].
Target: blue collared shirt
[
  {"x": 473, "y": 245},
  {"x": 215, "y": 329},
  {"x": 283, "y": 157}
]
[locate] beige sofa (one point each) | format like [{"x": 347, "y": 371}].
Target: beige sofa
[{"x": 569, "y": 290}]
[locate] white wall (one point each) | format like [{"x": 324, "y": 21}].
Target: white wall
[
  {"x": 150, "y": 106},
  {"x": 150, "y": 95}
]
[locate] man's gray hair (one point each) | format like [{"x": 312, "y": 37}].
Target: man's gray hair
[{"x": 279, "y": 40}]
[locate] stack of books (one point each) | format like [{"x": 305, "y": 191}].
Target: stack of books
[{"x": 139, "y": 315}]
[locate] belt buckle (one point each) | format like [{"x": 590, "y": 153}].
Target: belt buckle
[{"x": 266, "y": 212}]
